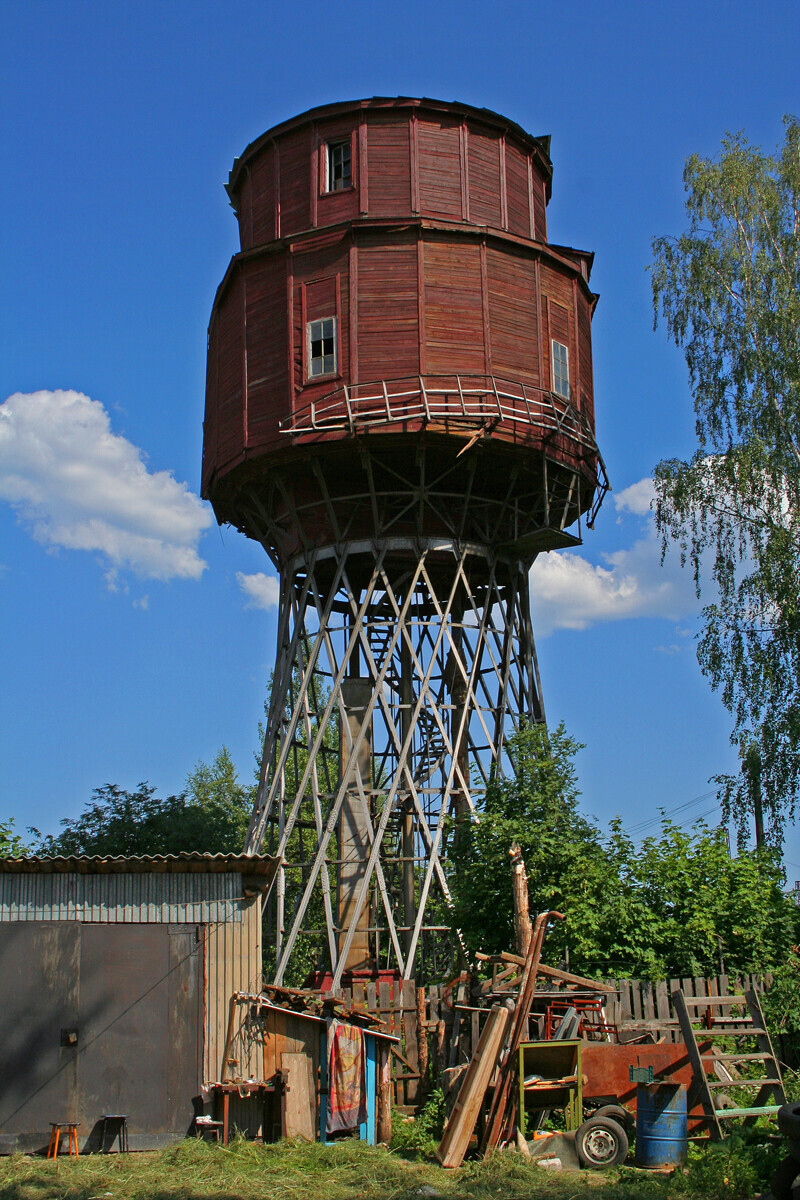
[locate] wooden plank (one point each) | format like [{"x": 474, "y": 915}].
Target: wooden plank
[
  {"x": 662, "y": 1001},
  {"x": 464, "y": 1116},
  {"x": 411, "y": 1047},
  {"x": 636, "y": 999},
  {"x": 648, "y": 1007},
  {"x": 301, "y": 1101}
]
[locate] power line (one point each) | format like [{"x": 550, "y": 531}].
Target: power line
[{"x": 642, "y": 825}]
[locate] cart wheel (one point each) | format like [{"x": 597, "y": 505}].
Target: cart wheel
[
  {"x": 601, "y": 1142},
  {"x": 617, "y": 1113}
]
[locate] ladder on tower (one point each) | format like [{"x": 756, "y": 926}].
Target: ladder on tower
[{"x": 748, "y": 1027}]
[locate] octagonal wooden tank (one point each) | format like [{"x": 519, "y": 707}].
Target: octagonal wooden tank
[{"x": 395, "y": 292}]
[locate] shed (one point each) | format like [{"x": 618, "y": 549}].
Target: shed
[
  {"x": 115, "y": 977},
  {"x": 276, "y": 1078}
]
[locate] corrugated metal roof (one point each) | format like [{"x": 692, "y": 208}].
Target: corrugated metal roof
[
  {"x": 256, "y": 865},
  {"x": 123, "y": 898}
]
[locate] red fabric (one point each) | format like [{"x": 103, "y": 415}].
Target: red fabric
[{"x": 347, "y": 1092}]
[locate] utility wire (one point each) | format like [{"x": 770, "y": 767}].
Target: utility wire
[{"x": 647, "y": 824}]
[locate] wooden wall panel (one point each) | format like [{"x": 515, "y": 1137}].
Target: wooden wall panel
[
  {"x": 388, "y": 321},
  {"x": 519, "y": 221},
  {"x": 483, "y": 151},
  {"x": 512, "y": 315},
  {"x": 322, "y": 263},
  {"x": 264, "y": 197},
  {"x": 453, "y": 311},
  {"x": 539, "y": 210},
  {"x": 439, "y": 168},
  {"x": 333, "y": 207},
  {"x": 230, "y": 393},
  {"x": 388, "y": 165},
  {"x": 585, "y": 350},
  {"x": 268, "y": 400},
  {"x": 295, "y": 168}
]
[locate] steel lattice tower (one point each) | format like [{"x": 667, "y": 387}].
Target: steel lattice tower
[{"x": 400, "y": 409}]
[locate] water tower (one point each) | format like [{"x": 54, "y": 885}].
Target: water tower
[{"x": 400, "y": 409}]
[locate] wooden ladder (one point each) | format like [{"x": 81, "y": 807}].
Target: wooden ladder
[{"x": 768, "y": 1086}]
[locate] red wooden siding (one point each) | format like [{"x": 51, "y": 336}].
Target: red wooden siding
[
  {"x": 318, "y": 275},
  {"x": 295, "y": 159},
  {"x": 388, "y": 166},
  {"x": 267, "y": 393},
  {"x": 333, "y": 207},
  {"x": 519, "y": 220},
  {"x": 229, "y": 374},
  {"x": 263, "y": 197},
  {"x": 439, "y": 148},
  {"x": 585, "y": 349},
  {"x": 539, "y": 211},
  {"x": 453, "y": 310},
  {"x": 483, "y": 150},
  {"x": 512, "y": 315},
  {"x": 388, "y": 326}
]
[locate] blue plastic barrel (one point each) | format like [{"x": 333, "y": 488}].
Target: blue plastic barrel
[{"x": 660, "y": 1124}]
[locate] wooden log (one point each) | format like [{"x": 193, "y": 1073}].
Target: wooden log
[
  {"x": 522, "y": 913},
  {"x": 422, "y": 1043}
]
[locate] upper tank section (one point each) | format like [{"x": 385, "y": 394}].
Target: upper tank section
[
  {"x": 395, "y": 279},
  {"x": 396, "y": 158}
]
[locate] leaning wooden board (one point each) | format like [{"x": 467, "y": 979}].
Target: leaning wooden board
[{"x": 462, "y": 1120}]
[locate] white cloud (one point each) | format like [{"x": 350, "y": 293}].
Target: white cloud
[
  {"x": 636, "y": 499},
  {"x": 262, "y": 590},
  {"x": 571, "y": 593},
  {"x": 79, "y": 486}
]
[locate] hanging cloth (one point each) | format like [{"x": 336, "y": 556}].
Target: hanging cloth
[{"x": 347, "y": 1092}]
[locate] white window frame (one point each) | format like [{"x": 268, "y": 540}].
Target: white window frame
[
  {"x": 330, "y": 147},
  {"x": 560, "y": 375},
  {"x": 311, "y": 374}
]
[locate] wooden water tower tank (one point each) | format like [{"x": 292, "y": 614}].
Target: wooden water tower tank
[{"x": 400, "y": 408}]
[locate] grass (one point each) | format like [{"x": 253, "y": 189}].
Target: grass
[{"x": 350, "y": 1170}]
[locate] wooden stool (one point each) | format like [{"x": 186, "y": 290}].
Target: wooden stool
[
  {"x": 120, "y": 1120},
  {"x": 56, "y": 1128},
  {"x": 205, "y": 1125}
]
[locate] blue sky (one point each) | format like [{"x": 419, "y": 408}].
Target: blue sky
[{"x": 129, "y": 647}]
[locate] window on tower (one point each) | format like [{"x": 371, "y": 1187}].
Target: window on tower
[
  {"x": 322, "y": 347},
  {"x": 340, "y": 166},
  {"x": 560, "y": 369}
]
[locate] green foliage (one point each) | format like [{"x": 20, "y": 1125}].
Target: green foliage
[
  {"x": 737, "y": 1168},
  {"x": 689, "y": 907},
  {"x": 423, "y": 1132},
  {"x": 210, "y": 817},
  {"x": 679, "y": 904},
  {"x": 729, "y": 292},
  {"x": 563, "y": 853},
  {"x": 11, "y": 844}
]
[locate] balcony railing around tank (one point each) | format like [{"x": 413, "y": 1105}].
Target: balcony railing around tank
[{"x": 476, "y": 403}]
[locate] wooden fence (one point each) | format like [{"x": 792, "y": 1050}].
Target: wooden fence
[{"x": 439, "y": 1026}]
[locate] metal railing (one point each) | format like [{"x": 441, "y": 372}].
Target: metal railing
[{"x": 476, "y": 403}]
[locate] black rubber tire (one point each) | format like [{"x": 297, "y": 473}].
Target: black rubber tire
[
  {"x": 617, "y": 1113},
  {"x": 780, "y": 1185},
  {"x": 600, "y": 1143},
  {"x": 793, "y": 1147},
  {"x": 789, "y": 1120}
]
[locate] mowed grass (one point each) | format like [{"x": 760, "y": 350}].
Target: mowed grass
[{"x": 347, "y": 1171}]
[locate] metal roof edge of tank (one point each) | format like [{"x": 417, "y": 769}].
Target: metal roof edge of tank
[
  {"x": 541, "y": 142},
  {"x": 559, "y": 248},
  {"x": 188, "y": 862}
]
